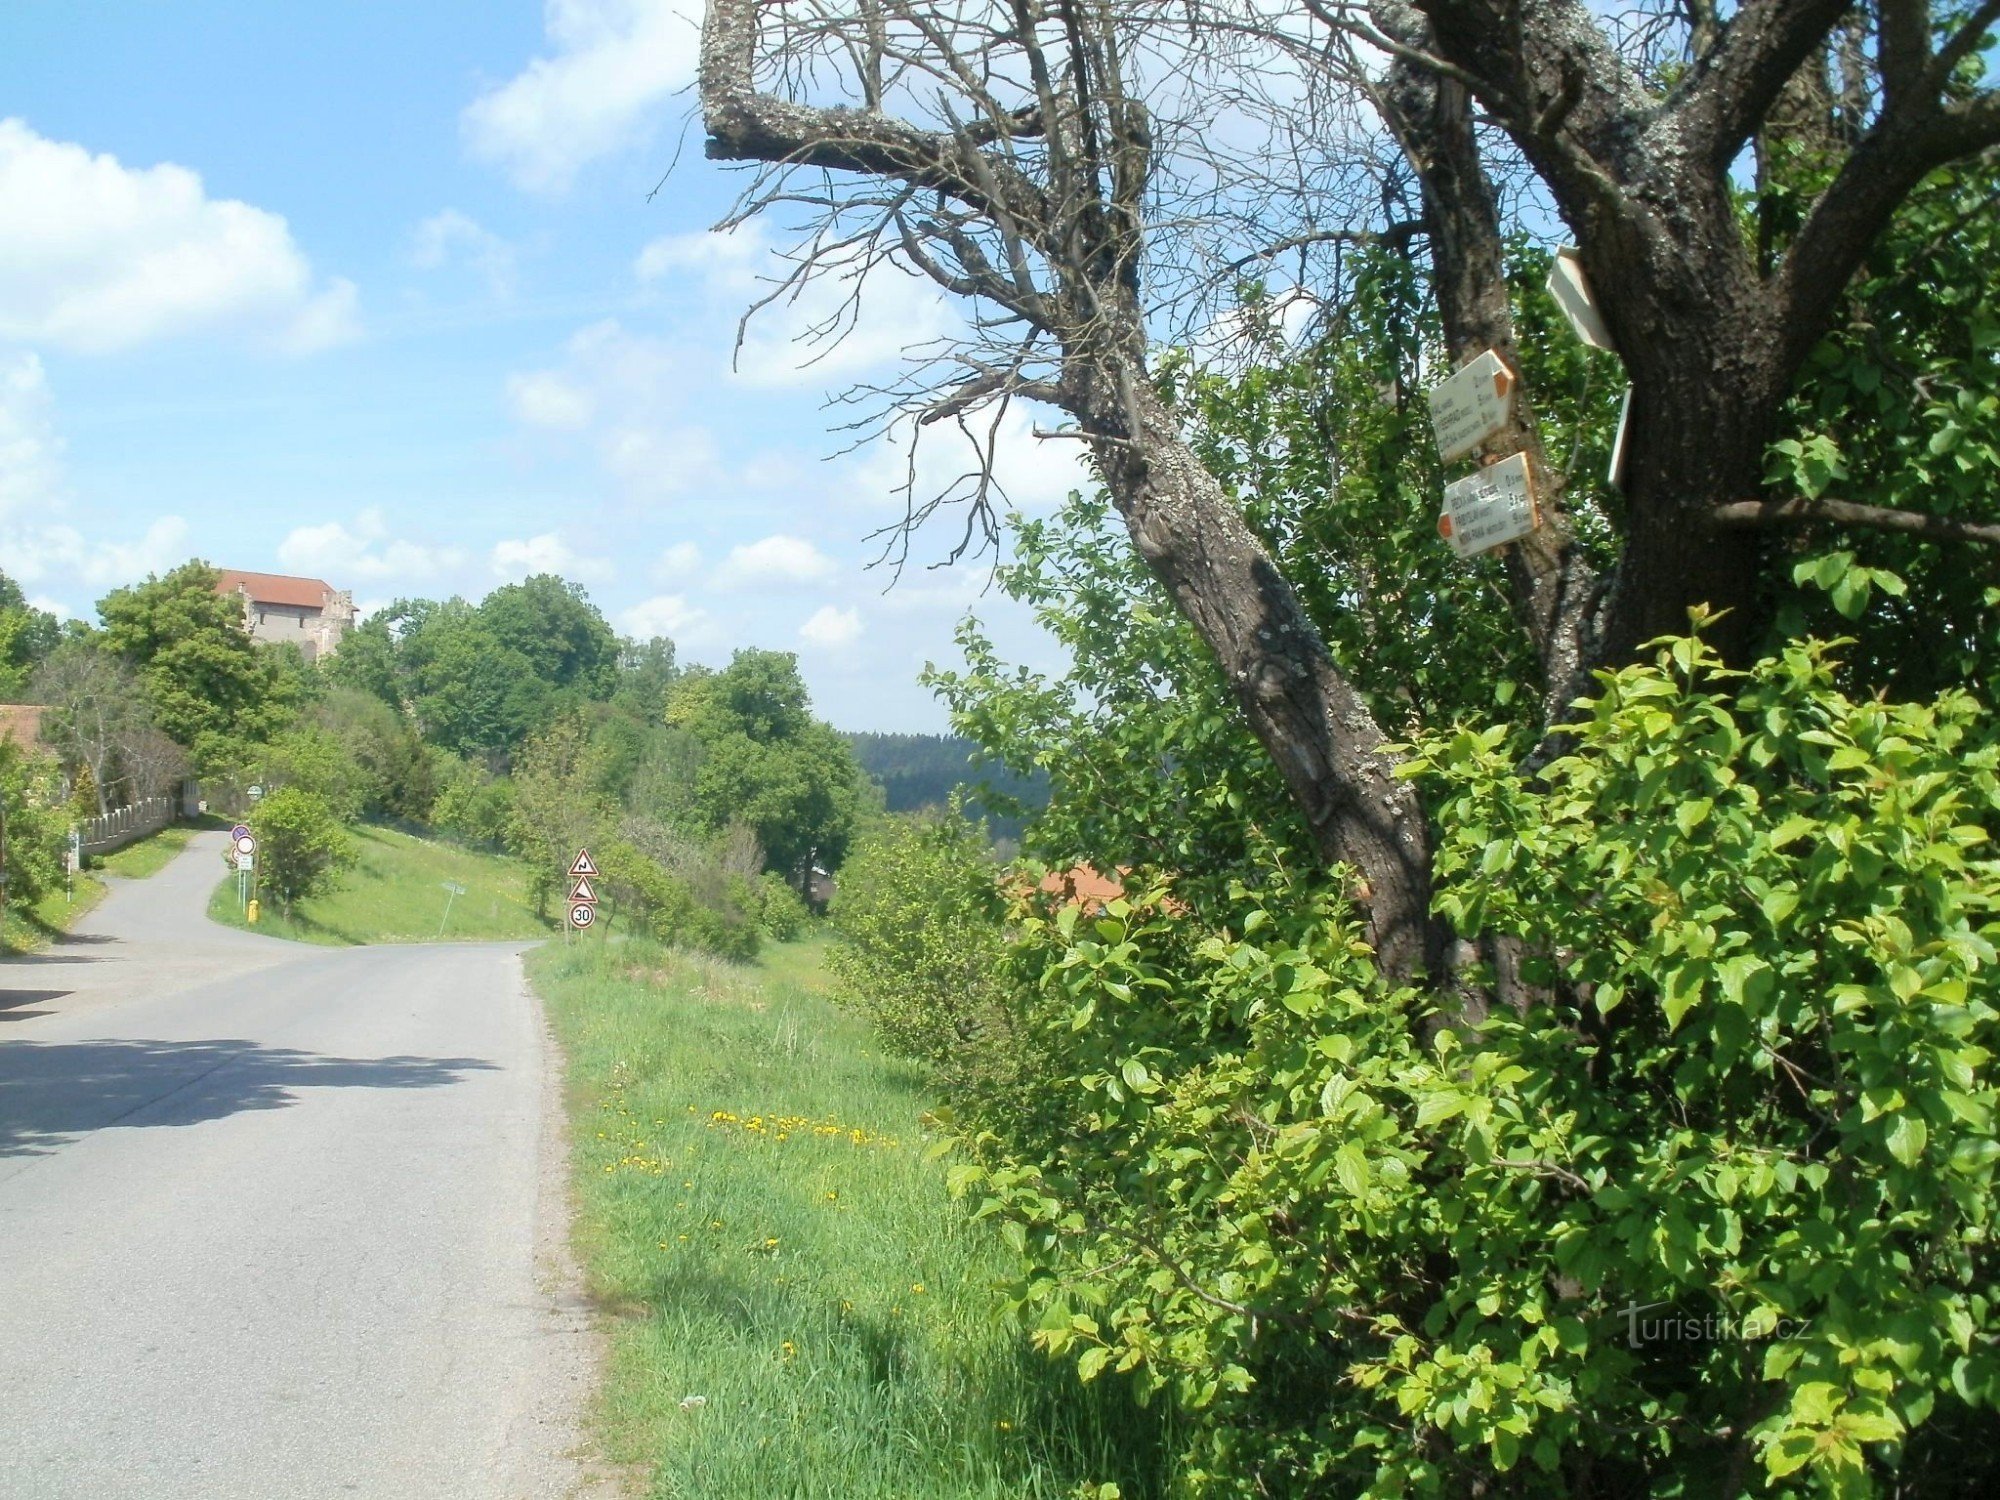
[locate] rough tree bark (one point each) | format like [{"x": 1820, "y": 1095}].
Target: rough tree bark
[{"x": 1034, "y": 207}]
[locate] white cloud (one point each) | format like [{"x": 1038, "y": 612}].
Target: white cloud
[
  {"x": 453, "y": 238},
  {"x": 678, "y": 561},
  {"x": 96, "y": 256},
  {"x": 35, "y": 546},
  {"x": 602, "y": 87},
  {"x": 670, "y": 615},
  {"x": 831, "y": 628},
  {"x": 827, "y": 331},
  {"x": 547, "y": 553},
  {"x": 775, "y": 559},
  {"x": 30, "y": 447},
  {"x": 365, "y": 550},
  {"x": 625, "y": 393},
  {"x": 543, "y": 398}
]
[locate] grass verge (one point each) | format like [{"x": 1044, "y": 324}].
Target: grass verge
[
  {"x": 53, "y": 915},
  {"x": 394, "y": 893},
  {"x": 799, "y": 1308},
  {"x": 149, "y": 855}
]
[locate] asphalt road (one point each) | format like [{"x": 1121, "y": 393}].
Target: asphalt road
[{"x": 278, "y": 1221}]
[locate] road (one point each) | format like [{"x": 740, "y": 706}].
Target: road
[{"x": 278, "y": 1221}]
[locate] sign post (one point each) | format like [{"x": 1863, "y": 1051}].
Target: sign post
[
  {"x": 453, "y": 890},
  {"x": 1489, "y": 508},
  {"x": 1473, "y": 405},
  {"x": 243, "y": 847},
  {"x": 582, "y": 895}
]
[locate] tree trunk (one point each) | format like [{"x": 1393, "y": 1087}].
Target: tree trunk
[{"x": 1308, "y": 716}]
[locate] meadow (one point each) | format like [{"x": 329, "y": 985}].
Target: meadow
[
  {"x": 796, "y": 1306},
  {"x": 395, "y": 893}
]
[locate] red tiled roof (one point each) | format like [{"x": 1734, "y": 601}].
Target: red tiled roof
[
  {"x": 1082, "y": 885},
  {"x": 276, "y": 588}
]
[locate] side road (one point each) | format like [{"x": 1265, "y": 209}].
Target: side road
[{"x": 278, "y": 1221}]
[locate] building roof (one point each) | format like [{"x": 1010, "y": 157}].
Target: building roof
[
  {"x": 276, "y": 588},
  {"x": 1083, "y": 885}
]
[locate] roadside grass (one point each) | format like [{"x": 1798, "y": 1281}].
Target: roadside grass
[
  {"x": 149, "y": 855},
  {"x": 394, "y": 893},
  {"x": 798, "y": 1308},
  {"x": 50, "y": 917}
]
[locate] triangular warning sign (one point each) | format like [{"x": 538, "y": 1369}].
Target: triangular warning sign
[
  {"x": 582, "y": 890},
  {"x": 581, "y": 865}
]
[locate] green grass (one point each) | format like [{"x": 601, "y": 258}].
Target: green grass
[
  {"x": 149, "y": 855},
  {"x": 798, "y": 1307},
  {"x": 25, "y": 932},
  {"x": 394, "y": 893}
]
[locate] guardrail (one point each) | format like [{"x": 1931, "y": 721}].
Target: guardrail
[{"x": 122, "y": 825}]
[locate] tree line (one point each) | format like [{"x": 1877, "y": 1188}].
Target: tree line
[{"x": 522, "y": 722}]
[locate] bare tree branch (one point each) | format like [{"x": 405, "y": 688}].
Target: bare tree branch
[{"x": 1799, "y": 511}]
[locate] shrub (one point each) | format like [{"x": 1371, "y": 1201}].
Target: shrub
[
  {"x": 1711, "y": 1211},
  {"x": 301, "y": 847},
  {"x": 920, "y": 945},
  {"x": 781, "y": 911}
]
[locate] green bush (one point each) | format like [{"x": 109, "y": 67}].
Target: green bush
[
  {"x": 301, "y": 846},
  {"x": 920, "y": 946},
  {"x": 781, "y": 911},
  {"x": 666, "y": 907},
  {"x": 36, "y": 823},
  {"x": 1711, "y": 1212}
]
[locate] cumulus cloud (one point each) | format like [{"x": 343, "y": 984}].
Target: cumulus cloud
[
  {"x": 548, "y": 553},
  {"x": 602, "y": 86},
  {"x": 831, "y": 628},
  {"x": 625, "y": 394},
  {"x": 96, "y": 256},
  {"x": 775, "y": 559},
  {"x": 451, "y": 238},
  {"x": 542, "y": 398},
  {"x": 364, "y": 550},
  {"x": 670, "y": 615},
  {"x": 835, "y": 327},
  {"x": 36, "y": 545},
  {"x": 678, "y": 561}
]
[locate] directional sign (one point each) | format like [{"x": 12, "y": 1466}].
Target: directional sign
[
  {"x": 581, "y": 891},
  {"x": 1472, "y": 406},
  {"x": 582, "y": 914},
  {"x": 454, "y": 887},
  {"x": 581, "y": 865},
  {"x": 1572, "y": 294},
  {"x": 246, "y": 842},
  {"x": 1487, "y": 509}
]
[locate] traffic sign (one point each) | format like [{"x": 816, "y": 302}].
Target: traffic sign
[
  {"x": 581, "y": 865},
  {"x": 240, "y": 831},
  {"x": 245, "y": 861},
  {"x": 453, "y": 886},
  {"x": 582, "y": 891},
  {"x": 582, "y": 914},
  {"x": 1490, "y": 508},
  {"x": 246, "y": 842},
  {"x": 1472, "y": 405}
]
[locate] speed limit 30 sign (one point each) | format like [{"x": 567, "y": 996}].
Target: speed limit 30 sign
[{"x": 582, "y": 914}]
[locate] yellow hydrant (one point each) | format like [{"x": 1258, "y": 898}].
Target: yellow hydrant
[{"x": 253, "y": 911}]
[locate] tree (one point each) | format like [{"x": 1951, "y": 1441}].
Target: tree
[
  {"x": 207, "y": 684},
  {"x": 1026, "y": 172},
  {"x": 98, "y": 722},
  {"x": 767, "y": 763},
  {"x": 554, "y": 626},
  {"x": 301, "y": 846},
  {"x": 27, "y": 636}
]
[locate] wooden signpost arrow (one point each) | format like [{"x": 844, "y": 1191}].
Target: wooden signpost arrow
[
  {"x": 1472, "y": 406},
  {"x": 1490, "y": 508}
]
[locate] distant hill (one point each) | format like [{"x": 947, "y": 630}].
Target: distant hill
[{"x": 922, "y": 770}]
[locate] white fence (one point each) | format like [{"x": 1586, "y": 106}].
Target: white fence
[{"x": 122, "y": 825}]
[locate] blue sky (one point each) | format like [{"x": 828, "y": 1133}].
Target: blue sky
[{"x": 375, "y": 292}]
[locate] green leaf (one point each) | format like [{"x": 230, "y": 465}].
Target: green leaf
[
  {"x": 1906, "y": 1139},
  {"x": 1350, "y": 1165}
]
